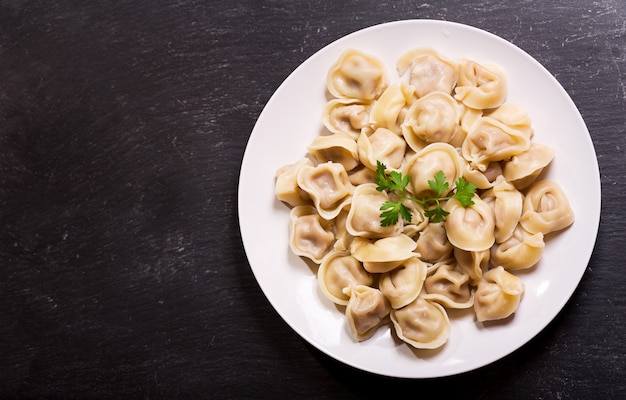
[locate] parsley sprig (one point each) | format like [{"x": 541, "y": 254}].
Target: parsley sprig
[{"x": 396, "y": 183}]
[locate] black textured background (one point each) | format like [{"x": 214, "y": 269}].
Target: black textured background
[{"x": 122, "y": 129}]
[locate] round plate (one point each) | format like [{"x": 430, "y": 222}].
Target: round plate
[{"x": 292, "y": 119}]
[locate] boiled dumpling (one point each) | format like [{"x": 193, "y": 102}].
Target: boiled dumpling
[
  {"x": 328, "y": 186},
  {"x": 449, "y": 285},
  {"x": 423, "y": 323},
  {"x": 383, "y": 255},
  {"x": 482, "y": 179},
  {"x": 426, "y": 163},
  {"x": 523, "y": 169},
  {"x": 381, "y": 145},
  {"x": 338, "y": 272},
  {"x": 433, "y": 118},
  {"x": 506, "y": 202},
  {"x": 498, "y": 295},
  {"x": 514, "y": 117},
  {"x": 310, "y": 235},
  {"x": 346, "y": 116},
  {"x": 430, "y": 71},
  {"x": 387, "y": 112},
  {"x": 433, "y": 244},
  {"x": 473, "y": 263},
  {"x": 361, "y": 175},
  {"x": 343, "y": 238},
  {"x": 366, "y": 311},
  {"x": 481, "y": 86},
  {"x": 470, "y": 228},
  {"x": 286, "y": 187},
  {"x": 357, "y": 75},
  {"x": 335, "y": 148},
  {"x": 491, "y": 140},
  {"x": 546, "y": 208},
  {"x": 521, "y": 251},
  {"x": 364, "y": 215},
  {"x": 468, "y": 117},
  {"x": 418, "y": 221},
  {"x": 404, "y": 283}
]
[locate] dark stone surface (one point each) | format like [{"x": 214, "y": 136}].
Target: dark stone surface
[{"x": 122, "y": 129}]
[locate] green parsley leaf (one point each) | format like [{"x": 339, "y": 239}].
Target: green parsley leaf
[
  {"x": 436, "y": 214},
  {"x": 391, "y": 210},
  {"x": 405, "y": 212},
  {"x": 396, "y": 183},
  {"x": 381, "y": 177},
  {"x": 439, "y": 185},
  {"x": 465, "y": 192},
  {"x": 392, "y": 182}
]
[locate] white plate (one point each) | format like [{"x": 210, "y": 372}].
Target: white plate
[{"x": 291, "y": 120}]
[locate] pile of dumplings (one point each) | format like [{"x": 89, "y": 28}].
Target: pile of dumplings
[{"x": 438, "y": 115}]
